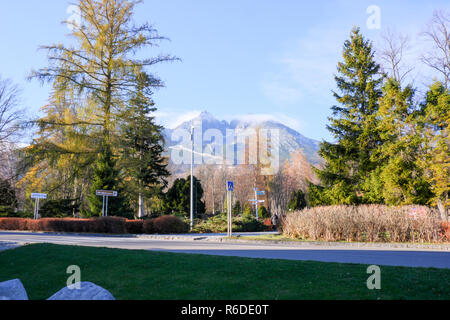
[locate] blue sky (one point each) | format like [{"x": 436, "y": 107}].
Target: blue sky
[{"x": 266, "y": 58}]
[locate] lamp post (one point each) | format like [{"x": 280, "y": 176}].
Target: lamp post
[{"x": 192, "y": 177}]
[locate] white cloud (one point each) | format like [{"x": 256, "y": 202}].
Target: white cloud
[
  {"x": 306, "y": 68},
  {"x": 277, "y": 117},
  {"x": 172, "y": 119}
]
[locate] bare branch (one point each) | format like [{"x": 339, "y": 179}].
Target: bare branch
[
  {"x": 438, "y": 34},
  {"x": 393, "y": 54},
  {"x": 10, "y": 115}
]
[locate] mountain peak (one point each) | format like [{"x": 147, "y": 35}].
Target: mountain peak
[
  {"x": 206, "y": 116},
  {"x": 290, "y": 139}
]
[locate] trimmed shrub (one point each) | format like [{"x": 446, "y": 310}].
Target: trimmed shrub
[
  {"x": 134, "y": 226},
  {"x": 12, "y": 224},
  {"x": 248, "y": 224},
  {"x": 446, "y": 230},
  {"x": 33, "y": 225},
  {"x": 365, "y": 223},
  {"x": 219, "y": 224},
  {"x": 148, "y": 226},
  {"x": 169, "y": 224},
  {"x": 115, "y": 225}
]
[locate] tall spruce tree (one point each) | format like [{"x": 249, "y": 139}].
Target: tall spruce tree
[
  {"x": 399, "y": 179},
  {"x": 143, "y": 146},
  {"x": 353, "y": 124}
]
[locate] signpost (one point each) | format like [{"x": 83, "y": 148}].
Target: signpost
[
  {"x": 105, "y": 194},
  {"x": 256, "y": 201},
  {"x": 230, "y": 189},
  {"x": 37, "y": 197}
]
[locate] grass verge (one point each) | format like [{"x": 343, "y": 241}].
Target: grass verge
[
  {"x": 283, "y": 238},
  {"x": 144, "y": 275}
]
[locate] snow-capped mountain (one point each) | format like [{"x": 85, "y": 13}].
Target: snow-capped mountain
[{"x": 289, "y": 139}]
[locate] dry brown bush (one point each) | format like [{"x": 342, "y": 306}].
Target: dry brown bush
[{"x": 365, "y": 223}]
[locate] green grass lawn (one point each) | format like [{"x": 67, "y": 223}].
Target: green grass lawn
[{"x": 131, "y": 275}]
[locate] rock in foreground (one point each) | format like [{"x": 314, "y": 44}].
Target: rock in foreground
[
  {"x": 88, "y": 291},
  {"x": 13, "y": 290}
]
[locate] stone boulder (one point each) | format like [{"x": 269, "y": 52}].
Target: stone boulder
[
  {"x": 88, "y": 291},
  {"x": 12, "y": 290}
]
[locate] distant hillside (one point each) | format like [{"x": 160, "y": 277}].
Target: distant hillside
[{"x": 290, "y": 140}]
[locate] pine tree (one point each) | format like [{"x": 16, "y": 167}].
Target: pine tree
[
  {"x": 143, "y": 146},
  {"x": 177, "y": 198},
  {"x": 106, "y": 177},
  {"x": 353, "y": 125}
]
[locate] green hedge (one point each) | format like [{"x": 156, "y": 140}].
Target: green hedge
[{"x": 219, "y": 223}]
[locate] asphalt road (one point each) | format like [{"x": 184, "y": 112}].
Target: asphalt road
[{"x": 377, "y": 256}]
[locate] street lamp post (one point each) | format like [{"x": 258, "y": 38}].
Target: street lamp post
[{"x": 192, "y": 177}]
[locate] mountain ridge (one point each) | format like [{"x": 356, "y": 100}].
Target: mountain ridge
[{"x": 290, "y": 139}]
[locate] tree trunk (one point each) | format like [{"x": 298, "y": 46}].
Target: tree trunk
[
  {"x": 442, "y": 210},
  {"x": 141, "y": 206}
]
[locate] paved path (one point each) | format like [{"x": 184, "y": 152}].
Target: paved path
[{"x": 389, "y": 256}]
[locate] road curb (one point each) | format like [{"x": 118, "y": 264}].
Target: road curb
[
  {"x": 367, "y": 245},
  {"x": 224, "y": 239}
]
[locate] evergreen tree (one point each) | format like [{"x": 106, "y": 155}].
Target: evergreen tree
[
  {"x": 436, "y": 132},
  {"x": 8, "y": 200},
  {"x": 353, "y": 125},
  {"x": 106, "y": 177},
  {"x": 400, "y": 180},
  {"x": 143, "y": 145},
  {"x": 248, "y": 212},
  {"x": 297, "y": 201},
  {"x": 237, "y": 209},
  {"x": 93, "y": 79},
  {"x": 263, "y": 213},
  {"x": 177, "y": 198},
  {"x": 316, "y": 196}
]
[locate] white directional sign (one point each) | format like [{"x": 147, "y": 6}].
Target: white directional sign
[
  {"x": 106, "y": 193},
  {"x": 38, "y": 196},
  {"x": 256, "y": 201}
]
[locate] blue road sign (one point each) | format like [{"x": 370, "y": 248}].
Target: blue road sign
[
  {"x": 230, "y": 186},
  {"x": 260, "y": 193}
]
